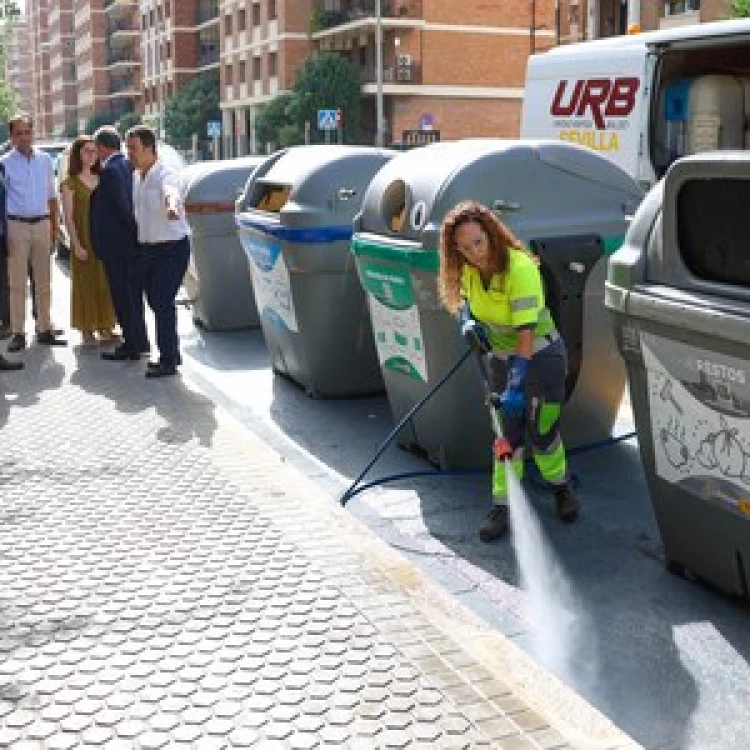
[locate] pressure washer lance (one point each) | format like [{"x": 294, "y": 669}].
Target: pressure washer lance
[{"x": 501, "y": 448}]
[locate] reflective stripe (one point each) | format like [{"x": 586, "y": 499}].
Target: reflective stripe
[{"x": 524, "y": 303}]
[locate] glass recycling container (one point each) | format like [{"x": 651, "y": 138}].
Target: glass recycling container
[{"x": 568, "y": 204}]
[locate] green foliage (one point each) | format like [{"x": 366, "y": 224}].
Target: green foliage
[
  {"x": 71, "y": 129},
  {"x": 326, "y": 81},
  {"x": 274, "y": 125},
  {"x": 188, "y": 111},
  {"x": 127, "y": 121},
  {"x": 740, "y": 9},
  {"x": 97, "y": 120}
]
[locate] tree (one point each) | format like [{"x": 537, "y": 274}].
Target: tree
[
  {"x": 188, "y": 111},
  {"x": 740, "y": 9},
  {"x": 98, "y": 120},
  {"x": 9, "y": 11},
  {"x": 274, "y": 124},
  {"x": 127, "y": 121},
  {"x": 326, "y": 81}
]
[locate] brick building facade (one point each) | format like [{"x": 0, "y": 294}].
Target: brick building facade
[
  {"x": 37, "y": 15},
  {"x": 179, "y": 40},
  {"x": 18, "y": 72},
  {"x": 62, "y": 67}
]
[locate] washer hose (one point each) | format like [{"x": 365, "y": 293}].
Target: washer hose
[{"x": 355, "y": 487}]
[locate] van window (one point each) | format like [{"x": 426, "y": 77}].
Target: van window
[{"x": 712, "y": 229}]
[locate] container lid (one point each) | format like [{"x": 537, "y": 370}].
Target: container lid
[{"x": 217, "y": 181}]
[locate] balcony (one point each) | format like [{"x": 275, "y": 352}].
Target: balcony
[
  {"x": 404, "y": 72},
  {"x": 120, "y": 6},
  {"x": 207, "y": 10},
  {"x": 121, "y": 59},
  {"x": 118, "y": 85},
  {"x": 359, "y": 10}
]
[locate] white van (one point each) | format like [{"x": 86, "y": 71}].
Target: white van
[{"x": 644, "y": 100}]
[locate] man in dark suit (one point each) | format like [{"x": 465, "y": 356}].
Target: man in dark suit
[{"x": 114, "y": 237}]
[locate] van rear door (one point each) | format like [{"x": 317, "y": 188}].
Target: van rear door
[{"x": 595, "y": 95}]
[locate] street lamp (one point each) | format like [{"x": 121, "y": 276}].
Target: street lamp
[{"x": 379, "y": 138}]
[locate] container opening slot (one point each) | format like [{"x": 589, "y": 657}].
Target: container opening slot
[
  {"x": 712, "y": 229},
  {"x": 271, "y": 198}
]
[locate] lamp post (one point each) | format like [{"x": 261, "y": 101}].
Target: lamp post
[{"x": 379, "y": 138}]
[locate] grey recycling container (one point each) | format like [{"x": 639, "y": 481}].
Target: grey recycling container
[
  {"x": 566, "y": 202},
  {"x": 217, "y": 279},
  {"x": 295, "y": 225},
  {"x": 679, "y": 293}
]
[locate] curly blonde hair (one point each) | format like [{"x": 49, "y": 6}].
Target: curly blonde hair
[{"x": 452, "y": 261}]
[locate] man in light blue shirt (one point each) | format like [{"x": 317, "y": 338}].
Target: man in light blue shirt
[{"x": 33, "y": 216}]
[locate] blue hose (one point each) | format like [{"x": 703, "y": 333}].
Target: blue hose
[{"x": 355, "y": 488}]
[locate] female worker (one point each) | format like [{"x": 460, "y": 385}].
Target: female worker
[{"x": 493, "y": 285}]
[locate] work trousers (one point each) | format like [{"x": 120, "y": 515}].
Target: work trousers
[
  {"x": 162, "y": 267},
  {"x": 29, "y": 245},
  {"x": 539, "y": 424}
]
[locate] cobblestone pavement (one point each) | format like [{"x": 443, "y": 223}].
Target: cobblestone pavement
[{"x": 166, "y": 581}]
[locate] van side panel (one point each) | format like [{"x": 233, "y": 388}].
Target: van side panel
[{"x": 592, "y": 99}]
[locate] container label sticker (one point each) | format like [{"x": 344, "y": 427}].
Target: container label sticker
[
  {"x": 273, "y": 289},
  {"x": 395, "y": 320},
  {"x": 699, "y": 407}
]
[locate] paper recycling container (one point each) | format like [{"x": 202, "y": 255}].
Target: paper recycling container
[
  {"x": 217, "y": 279},
  {"x": 679, "y": 293},
  {"x": 295, "y": 226},
  {"x": 566, "y": 202}
]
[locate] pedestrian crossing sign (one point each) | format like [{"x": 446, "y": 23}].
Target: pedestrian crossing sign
[{"x": 329, "y": 119}]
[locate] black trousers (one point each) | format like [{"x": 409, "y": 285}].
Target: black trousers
[
  {"x": 162, "y": 267},
  {"x": 126, "y": 288}
]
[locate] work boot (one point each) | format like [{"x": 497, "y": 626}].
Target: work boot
[
  {"x": 566, "y": 504},
  {"x": 495, "y": 525}
]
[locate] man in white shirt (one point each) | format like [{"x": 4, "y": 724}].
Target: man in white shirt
[
  {"x": 163, "y": 243},
  {"x": 33, "y": 217}
]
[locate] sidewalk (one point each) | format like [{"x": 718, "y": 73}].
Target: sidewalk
[{"x": 167, "y": 581}]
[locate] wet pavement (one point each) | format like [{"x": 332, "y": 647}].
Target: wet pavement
[
  {"x": 666, "y": 659},
  {"x": 177, "y": 574}
]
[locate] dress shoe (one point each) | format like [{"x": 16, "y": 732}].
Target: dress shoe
[
  {"x": 6, "y": 365},
  {"x": 17, "y": 342},
  {"x": 50, "y": 338},
  {"x": 155, "y": 365},
  {"x": 5, "y": 332},
  {"x": 161, "y": 371},
  {"x": 120, "y": 354}
]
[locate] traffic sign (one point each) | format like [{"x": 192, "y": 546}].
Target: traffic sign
[
  {"x": 329, "y": 119},
  {"x": 213, "y": 129}
]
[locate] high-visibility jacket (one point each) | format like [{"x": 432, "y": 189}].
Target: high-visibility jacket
[{"x": 512, "y": 300}]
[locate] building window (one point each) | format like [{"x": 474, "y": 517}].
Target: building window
[
  {"x": 228, "y": 73},
  {"x": 243, "y": 71},
  {"x": 271, "y": 10},
  {"x": 241, "y": 20},
  {"x": 227, "y": 25},
  {"x": 256, "y": 69},
  {"x": 256, "y": 14},
  {"x": 273, "y": 64},
  {"x": 674, "y": 7},
  {"x": 168, "y": 50}
]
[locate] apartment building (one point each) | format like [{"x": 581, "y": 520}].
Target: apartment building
[
  {"x": 456, "y": 68},
  {"x": 107, "y": 54},
  {"x": 263, "y": 43},
  {"x": 62, "y": 67},
  {"x": 18, "y": 72},
  {"x": 37, "y": 14},
  {"x": 179, "y": 40},
  {"x": 594, "y": 19}
]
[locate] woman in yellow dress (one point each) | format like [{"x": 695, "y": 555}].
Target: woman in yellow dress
[{"x": 91, "y": 308}]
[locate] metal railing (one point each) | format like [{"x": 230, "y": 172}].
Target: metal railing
[
  {"x": 323, "y": 19},
  {"x": 410, "y": 73}
]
